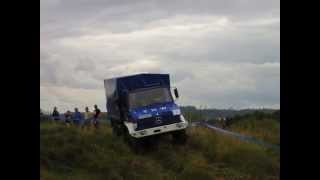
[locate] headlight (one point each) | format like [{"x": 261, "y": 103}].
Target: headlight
[
  {"x": 179, "y": 125},
  {"x": 143, "y": 132},
  {"x": 143, "y": 116},
  {"x": 134, "y": 125},
  {"x": 176, "y": 112}
]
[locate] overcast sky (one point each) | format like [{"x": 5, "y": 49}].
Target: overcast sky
[{"x": 220, "y": 54}]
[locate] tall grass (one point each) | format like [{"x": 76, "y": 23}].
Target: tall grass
[
  {"x": 267, "y": 130},
  {"x": 73, "y": 153}
]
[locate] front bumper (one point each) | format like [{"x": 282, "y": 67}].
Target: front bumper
[{"x": 157, "y": 130}]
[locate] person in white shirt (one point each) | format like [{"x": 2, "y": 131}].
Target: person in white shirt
[{"x": 87, "y": 118}]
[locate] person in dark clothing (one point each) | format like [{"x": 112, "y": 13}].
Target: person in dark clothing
[
  {"x": 55, "y": 114},
  {"x": 96, "y": 116}
]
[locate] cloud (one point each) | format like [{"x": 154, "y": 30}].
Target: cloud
[{"x": 219, "y": 54}]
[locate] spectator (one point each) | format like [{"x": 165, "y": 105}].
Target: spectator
[
  {"x": 96, "y": 116},
  {"x": 55, "y": 114},
  {"x": 87, "y": 117},
  {"x": 67, "y": 116},
  {"x": 77, "y": 117}
]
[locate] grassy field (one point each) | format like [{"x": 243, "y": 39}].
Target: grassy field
[
  {"x": 262, "y": 126},
  {"x": 75, "y": 154},
  {"x": 267, "y": 130}
]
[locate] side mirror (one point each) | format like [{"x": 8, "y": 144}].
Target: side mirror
[{"x": 176, "y": 93}]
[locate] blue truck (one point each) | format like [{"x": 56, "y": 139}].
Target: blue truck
[{"x": 142, "y": 105}]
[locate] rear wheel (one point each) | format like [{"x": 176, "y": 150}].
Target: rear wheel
[{"x": 179, "y": 137}]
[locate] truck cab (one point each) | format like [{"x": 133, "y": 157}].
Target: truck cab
[{"x": 142, "y": 105}]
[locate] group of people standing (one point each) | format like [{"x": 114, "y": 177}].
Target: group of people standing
[{"x": 77, "y": 118}]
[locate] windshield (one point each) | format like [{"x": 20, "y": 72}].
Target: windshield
[{"x": 148, "y": 97}]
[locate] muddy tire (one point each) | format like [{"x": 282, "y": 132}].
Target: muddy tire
[
  {"x": 116, "y": 129},
  {"x": 179, "y": 137},
  {"x": 133, "y": 143}
]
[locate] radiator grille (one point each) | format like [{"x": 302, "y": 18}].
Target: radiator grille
[{"x": 164, "y": 119}]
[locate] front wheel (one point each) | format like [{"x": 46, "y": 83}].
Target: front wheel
[
  {"x": 134, "y": 143},
  {"x": 179, "y": 137},
  {"x": 116, "y": 128}
]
